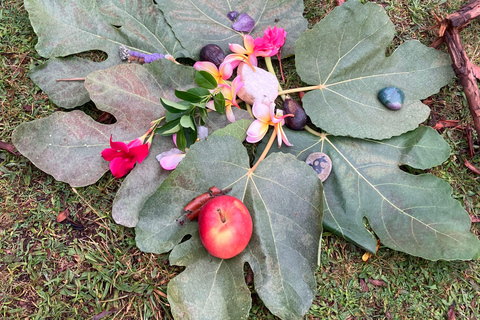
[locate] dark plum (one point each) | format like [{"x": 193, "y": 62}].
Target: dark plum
[
  {"x": 212, "y": 53},
  {"x": 299, "y": 120}
]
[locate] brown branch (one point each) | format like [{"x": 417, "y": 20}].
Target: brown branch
[{"x": 466, "y": 71}]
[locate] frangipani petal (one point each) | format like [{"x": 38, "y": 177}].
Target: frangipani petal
[
  {"x": 256, "y": 131},
  {"x": 171, "y": 158},
  {"x": 229, "y": 113},
  {"x": 261, "y": 112},
  {"x": 205, "y": 66}
]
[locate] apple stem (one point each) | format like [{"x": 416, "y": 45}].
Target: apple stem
[{"x": 222, "y": 216}]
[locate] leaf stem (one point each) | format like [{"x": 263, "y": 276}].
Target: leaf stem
[
  {"x": 265, "y": 151},
  {"x": 315, "y": 133},
  {"x": 300, "y": 89}
]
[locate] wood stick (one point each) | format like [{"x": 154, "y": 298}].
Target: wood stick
[{"x": 466, "y": 71}]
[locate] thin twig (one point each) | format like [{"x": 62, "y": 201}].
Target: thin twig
[{"x": 72, "y": 79}]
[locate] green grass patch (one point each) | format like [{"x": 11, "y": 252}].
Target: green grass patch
[{"x": 88, "y": 265}]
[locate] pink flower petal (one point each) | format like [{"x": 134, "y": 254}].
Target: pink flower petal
[
  {"x": 121, "y": 166},
  {"x": 171, "y": 162},
  {"x": 140, "y": 152},
  {"x": 206, "y": 66},
  {"x": 249, "y": 43},
  {"x": 229, "y": 113},
  {"x": 234, "y": 47},
  {"x": 118, "y": 145},
  {"x": 261, "y": 112},
  {"x": 109, "y": 154},
  {"x": 256, "y": 131},
  {"x": 226, "y": 70}
]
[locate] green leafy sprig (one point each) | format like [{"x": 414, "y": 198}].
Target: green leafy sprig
[{"x": 182, "y": 117}]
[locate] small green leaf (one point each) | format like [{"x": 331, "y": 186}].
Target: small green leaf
[
  {"x": 172, "y": 116},
  {"x": 219, "y": 102},
  {"x": 186, "y": 121},
  {"x": 202, "y": 92},
  {"x": 190, "y": 135},
  {"x": 188, "y": 96},
  {"x": 205, "y": 80},
  {"x": 169, "y": 128},
  {"x": 181, "y": 140},
  {"x": 203, "y": 115},
  {"x": 175, "y": 107}
]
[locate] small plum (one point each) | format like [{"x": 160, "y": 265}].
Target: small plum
[{"x": 225, "y": 226}]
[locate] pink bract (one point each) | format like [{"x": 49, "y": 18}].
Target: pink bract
[
  {"x": 271, "y": 43},
  {"x": 123, "y": 156}
]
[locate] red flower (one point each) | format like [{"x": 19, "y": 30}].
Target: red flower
[
  {"x": 123, "y": 156},
  {"x": 271, "y": 43}
]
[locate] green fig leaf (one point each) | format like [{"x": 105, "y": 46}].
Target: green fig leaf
[
  {"x": 285, "y": 201},
  {"x": 67, "y": 145},
  {"x": 344, "y": 56},
  {"x": 415, "y": 214},
  {"x": 209, "y": 19},
  {"x": 65, "y": 28}
]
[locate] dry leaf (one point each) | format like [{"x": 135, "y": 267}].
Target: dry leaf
[
  {"x": 446, "y": 124},
  {"x": 63, "y": 215},
  {"x": 363, "y": 285},
  {"x": 376, "y": 282},
  {"x": 474, "y": 218},
  {"x": 451, "y": 312},
  {"x": 471, "y": 167}
]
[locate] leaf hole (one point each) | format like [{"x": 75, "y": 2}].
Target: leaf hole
[
  {"x": 98, "y": 115},
  {"x": 116, "y": 27},
  {"x": 411, "y": 170},
  {"x": 93, "y": 55},
  {"x": 155, "y": 2},
  {"x": 186, "y": 238}
]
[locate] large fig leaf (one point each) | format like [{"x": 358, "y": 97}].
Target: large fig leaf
[
  {"x": 67, "y": 145},
  {"x": 69, "y": 27},
  {"x": 344, "y": 56},
  {"x": 284, "y": 198},
  {"x": 198, "y": 23},
  {"x": 411, "y": 213}
]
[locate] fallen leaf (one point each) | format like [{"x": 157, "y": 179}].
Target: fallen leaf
[
  {"x": 376, "y": 282},
  {"x": 363, "y": 285},
  {"x": 474, "y": 218},
  {"x": 471, "y": 167},
  {"x": 103, "y": 314},
  {"x": 63, "y": 215},
  {"x": 451, "y": 312},
  {"x": 441, "y": 124},
  {"x": 9, "y": 147}
]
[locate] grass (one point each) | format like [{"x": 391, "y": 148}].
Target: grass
[{"x": 90, "y": 266}]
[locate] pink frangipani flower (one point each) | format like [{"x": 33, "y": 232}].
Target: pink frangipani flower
[
  {"x": 230, "y": 95},
  {"x": 123, "y": 156},
  {"x": 242, "y": 54},
  {"x": 223, "y": 73},
  {"x": 266, "y": 116},
  {"x": 271, "y": 43}
]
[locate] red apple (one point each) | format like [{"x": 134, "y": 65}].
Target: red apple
[{"x": 225, "y": 226}]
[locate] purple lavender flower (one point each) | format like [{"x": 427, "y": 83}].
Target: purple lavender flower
[{"x": 149, "y": 58}]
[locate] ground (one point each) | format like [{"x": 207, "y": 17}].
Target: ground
[{"x": 88, "y": 265}]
